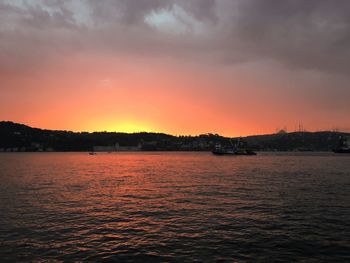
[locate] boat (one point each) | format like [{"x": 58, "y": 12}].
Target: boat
[
  {"x": 239, "y": 148},
  {"x": 92, "y": 153},
  {"x": 343, "y": 145}
]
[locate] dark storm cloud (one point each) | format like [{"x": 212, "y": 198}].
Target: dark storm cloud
[
  {"x": 313, "y": 34},
  {"x": 30, "y": 35},
  {"x": 134, "y": 12},
  {"x": 124, "y": 11},
  {"x": 202, "y": 10}
]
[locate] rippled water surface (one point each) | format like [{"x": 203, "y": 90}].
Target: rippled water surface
[{"x": 166, "y": 207}]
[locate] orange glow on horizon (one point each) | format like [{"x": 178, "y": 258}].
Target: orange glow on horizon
[
  {"x": 132, "y": 96},
  {"x": 127, "y": 126}
]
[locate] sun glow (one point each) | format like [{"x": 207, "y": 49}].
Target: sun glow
[{"x": 128, "y": 126}]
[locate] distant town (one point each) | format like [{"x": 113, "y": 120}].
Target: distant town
[{"x": 16, "y": 137}]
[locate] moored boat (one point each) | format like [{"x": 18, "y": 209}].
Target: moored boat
[{"x": 343, "y": 145}]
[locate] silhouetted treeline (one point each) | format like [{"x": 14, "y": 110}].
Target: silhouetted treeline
[
  {"x": 19, "y": 137},
  {"x": 296, "y": 141}
]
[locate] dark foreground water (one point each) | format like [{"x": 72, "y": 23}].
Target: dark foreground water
[{"x": 182, "y": 207}]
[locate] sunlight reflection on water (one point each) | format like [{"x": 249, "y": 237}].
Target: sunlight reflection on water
[{"x": 174, "y": 207}]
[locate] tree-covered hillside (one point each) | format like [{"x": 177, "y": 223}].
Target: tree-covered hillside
[{"x": 19, "y": 137}]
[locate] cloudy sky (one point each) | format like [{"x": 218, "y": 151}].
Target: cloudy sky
[{"x": 234, "y": 67}]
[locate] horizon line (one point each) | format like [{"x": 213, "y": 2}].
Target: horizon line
[{"x": 178, "y": 135}]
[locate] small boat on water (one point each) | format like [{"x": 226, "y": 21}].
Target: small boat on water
[
  {"x": 239, "y": 148},
  {"x": 92, "y": 153},
  {"x": 343, "y": 145}
]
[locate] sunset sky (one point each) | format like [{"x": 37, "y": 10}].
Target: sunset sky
[{"x": 233, "y": 67}]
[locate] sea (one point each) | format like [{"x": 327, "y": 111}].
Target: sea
[{"x": 174, "y": 207}]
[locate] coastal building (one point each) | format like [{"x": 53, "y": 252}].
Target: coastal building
[
  {"x": 117, "y": 148},
  {"x": 104, "y": 148},
  {"x": 123, "y": 148}
]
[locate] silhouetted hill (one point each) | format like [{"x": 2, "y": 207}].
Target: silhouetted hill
[
  {"x": 296, "y": 141},
  {"x": 19, "y": 137}
]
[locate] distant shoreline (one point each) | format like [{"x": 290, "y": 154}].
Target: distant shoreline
[{"x": 15, "y": 137}]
